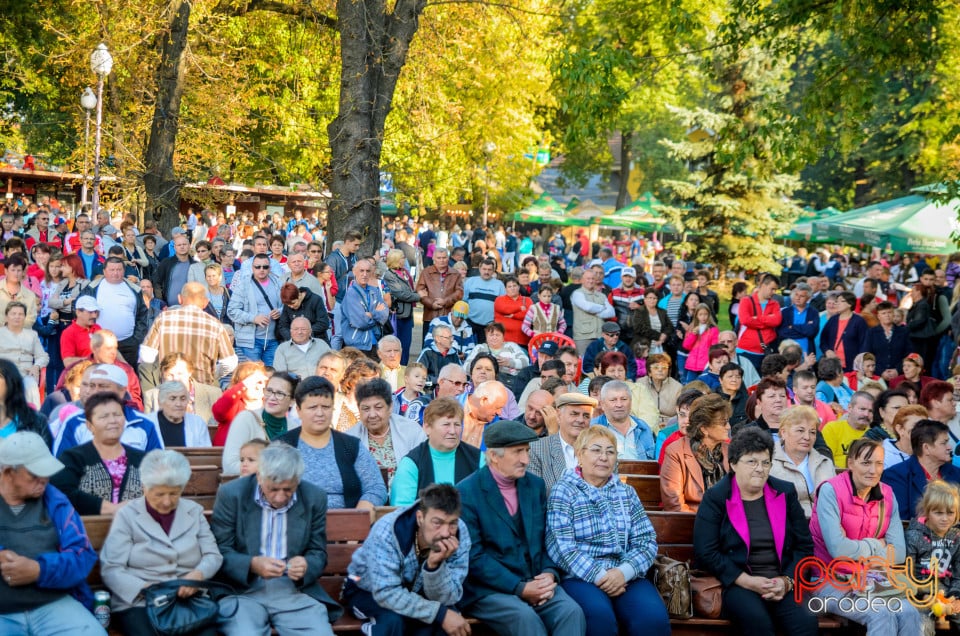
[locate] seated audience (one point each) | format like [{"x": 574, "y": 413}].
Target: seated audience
[
  {"x": 270, "y": 529},
  {"x": 885, "y": 408},
  {"x": 899, "y": 449},
  {"x": 831, "y": 389},
  {"x": 301, "y": 353},
  {"x": 157, "y": 538},
  {"x": 600, "y": 537},
  {"x": 401, "y": 592},
  {"x": 267, "y": 423},
  {"x": 47, "y": 555},
  {"x": 22, "y": 347},
  {"x": 794, "y": 458},
  {"x": 855, "y": 515},
  {"x": 931, "y": 459},
  {"x": 357, "y": 372},
  {"x": 333, "y": 461},
  {"x": 175, "y": 366},
  {"x": 840, "y": 434},
  {"x": 751, "y": 533},
  {"x": 912, "y": 367},
  {"x": 177, "y": 426},
  {"x": 101, "y": 475},
  {"x": 250, "y": 456},
  {"x": 553, "y": 455},
  {"x": 510, "y": 356},
  {"x": 697, "y": 461},
  {"x": 635, "y": 438},
  {"x": 732, "y": 389},
  {"x": 676, "y": 430},
  {"x": 664, "y": 389}
]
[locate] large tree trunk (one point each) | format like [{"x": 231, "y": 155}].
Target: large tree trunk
[
  {"x": 160, "y": 182},
  {"x": 373, "y": 50}
]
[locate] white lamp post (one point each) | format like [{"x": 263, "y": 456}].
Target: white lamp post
[
  {"x": 488, "y": 149},
  {"x": 88, "y": 101},
  {"x": 101, "y": 62}
]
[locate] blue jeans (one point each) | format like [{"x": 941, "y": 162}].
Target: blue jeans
[
  {"x": 262, "y": 351},
  {"x": 405, "y": 334},
  {"x": 639, "y": 610},
  {"x": 66, "y": 616}
]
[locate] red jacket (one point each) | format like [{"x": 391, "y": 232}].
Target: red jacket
[{"x": 755, "y": 321}]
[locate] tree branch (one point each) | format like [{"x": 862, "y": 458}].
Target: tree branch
[
  {"x": 501, "y": 5},
  {"x": 299, "y": 10}
]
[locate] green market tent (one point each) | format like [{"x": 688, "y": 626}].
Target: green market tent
[
  {"x": 908, "y": 224},
  {"x": 803, "y": 229},
  {"x": 546, "y": 210}
]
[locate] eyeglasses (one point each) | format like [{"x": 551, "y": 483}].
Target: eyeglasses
[
  {"x": 280, "y": 395},
  {"x": 598, "y": 451},
  {"x": 261, "y": 267},
  {"x": 659, "y": 367},
  {"x": 456, "y": 383},
  {"x": 752, "y": 464}
]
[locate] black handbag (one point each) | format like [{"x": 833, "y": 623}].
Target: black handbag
[{"x": 171, "y": 615}]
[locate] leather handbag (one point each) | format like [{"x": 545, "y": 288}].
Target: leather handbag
[
  {"x": 672, "y": 580},
  {"x": 707, "y": 593},
  {"x": 171, "y": 615}
]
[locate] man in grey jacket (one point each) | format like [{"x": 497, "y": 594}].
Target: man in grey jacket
[{"x": 254, "y": 309}]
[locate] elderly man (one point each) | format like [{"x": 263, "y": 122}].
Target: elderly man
[
  {"x": 299, "y": 276},
  {"x": 302, "y": 353},
  {"x": 729, "y": 340},
  {"x": 800, "y": 321},
  {"x": 254, "y": 309},
  {"x": 139, "y": 432},
  {"x": 364, "y": 310},
  {"x": 389, "y": 350},
  {"x": 451, "y": 382},
  {"x": 439, "y": 354},
  {"x": 590, "y": 309},
  {"x": 840, "y": 434},
  {"x": 127, "y": 315},
  {"x": 463, "y": 339},
  {"x": 173, "y": 271},
  {"x": 609, "y": 340},
  {"x": 104, "y": 349},
  {"x": 482, "y": 407},
  {"x": 539, "y": 414},
  {"x": 479, "y": 292},
  {"x": 512, "y": 584},
  {"x": 271, "y": 530},
  {"x": 408, "y": 575},
  {"x": 635, "y": 439},
  {"x": 45, "y": 556},
  {"x": 190, "y": 331},
  {"x": 551, "y": 456},
  {"x": 442, "y": 459},
  {"x": 439, "y": 287}
]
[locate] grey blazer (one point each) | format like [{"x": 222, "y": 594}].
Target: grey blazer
[
  {"x": 137, "y": 552},
  {"x": 236, "y": 525},
  {"x": 547, "y": 461}
]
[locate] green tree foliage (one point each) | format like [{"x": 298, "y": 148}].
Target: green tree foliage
[{"x": 735, "y": 198}]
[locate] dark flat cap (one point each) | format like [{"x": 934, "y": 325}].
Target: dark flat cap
[
  {"x": 506, "y": 433},
  {"x": 610, "y": 327}
]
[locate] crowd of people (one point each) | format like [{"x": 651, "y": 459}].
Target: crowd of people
[{"x": 820, "y": 424}]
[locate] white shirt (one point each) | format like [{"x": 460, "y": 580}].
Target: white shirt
[
  {"x": 119, "y": 308},
  {"x": 568, "y": 453}
]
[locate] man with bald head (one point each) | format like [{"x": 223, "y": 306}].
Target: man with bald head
[
  {"x": 302, "y": 353},
  {"x": 189, "y": 330},
  {"x": 480, "y": 408},
  {"x": 539, "y": 413}
]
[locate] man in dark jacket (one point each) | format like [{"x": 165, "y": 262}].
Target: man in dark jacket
[
  {"x": 800, "y": 321},
  {"x": 512, "y": 584}
]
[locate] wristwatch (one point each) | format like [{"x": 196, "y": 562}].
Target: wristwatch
[{"x": 787, "y": 584}]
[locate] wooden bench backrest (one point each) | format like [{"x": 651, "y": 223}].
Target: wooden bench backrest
[
  {"x": 674, "y": 533},
  {"x": 647, "y": 488},
  {"x": 645, "y": 467},
  {"x": 204, "y": 481},
  {"x": 209, "y": 456}
]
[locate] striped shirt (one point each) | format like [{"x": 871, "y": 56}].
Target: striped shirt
[
  {"x": 273, "y": 526},
  {"x": 201, "y": 338}
]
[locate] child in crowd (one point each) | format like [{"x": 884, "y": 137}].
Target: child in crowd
[
  {"x": 544, "y": 316},
  {"x": 933, "y": 534},
  {"x": 414, "y": 380},
  {"x": 641, "y": 349},
  {"x": 250, "y": 456}
]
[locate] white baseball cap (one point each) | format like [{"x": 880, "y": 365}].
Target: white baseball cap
[
  {"x": 110, "y": 373},
  {"x": 28, "y": 449},
  {"x": 87, "y": 303}
]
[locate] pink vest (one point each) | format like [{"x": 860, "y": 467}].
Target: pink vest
[{"x": 859, "y": 519}]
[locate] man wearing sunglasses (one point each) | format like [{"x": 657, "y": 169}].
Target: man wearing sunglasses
[{"x": 254, "y": 309}]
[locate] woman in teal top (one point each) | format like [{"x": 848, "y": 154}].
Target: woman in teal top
[{"x": 442, "y": 459}]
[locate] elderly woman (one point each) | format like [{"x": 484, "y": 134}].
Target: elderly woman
[
  {"x": 831, "y": 389},
  {"x": 484, "y": 368},
  {"x": 844, "y": 333},
  {"x": 178, "y": 428},
  {"x": 600, "y": 537},
  {"x": 442, "y": 459},
  {"x": 651, "y": 323},
  {"x": 511, "y": 310},
  {"x": 698, "y": 460},
  {"x": 244, "y": 393},
  {"x": 301, "y": 302},
  {"x": 794, "y": 458},
  {"x": 912, "y": 373},
  {"x": 101, "y": 475},
  {"x": 267, "y": 423},
  {"x": 23, "y": 348},
  {"x": 885, "y": 409},
  {"x": 856, "y": 516},
  {"x": 899, "y": 449},
  {"x": 156, "y": 538},
  {"x": 750, "y": 533},
  {"x": 663, "y": 388},
  {"x": 511, "y": 357},
  {"x": 388, "y": 437},
  {"x": 931, "y": 459},
  {"x": 403, "y": 292}
]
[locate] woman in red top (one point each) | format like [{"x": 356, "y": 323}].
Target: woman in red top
[
  {"x": 510, "y": 310},
  {"x": 245, "y": 393}
]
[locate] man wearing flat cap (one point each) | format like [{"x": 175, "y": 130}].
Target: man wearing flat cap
[
  {"x": 552, "y": 455},
  {"x": 512, "y": 584},
  {"x": 609, "y": 340}
]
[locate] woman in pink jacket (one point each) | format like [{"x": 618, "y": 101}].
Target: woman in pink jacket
[{"x": 701, "y": 335}]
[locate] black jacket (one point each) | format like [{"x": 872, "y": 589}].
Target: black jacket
[
  {"x": 161, "y": 277},
  {"x": 313, "y": 309},
  {"x": 889, "y": 354},
  {"x": 141, "y": 323}
]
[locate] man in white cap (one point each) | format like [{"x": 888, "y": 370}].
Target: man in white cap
[
  {"x": 45, "y": 556},
  {"x": 551, "y": 456},
  {"x": 140, "y": 432},
  {"x": 625, "y": 299},
  {"x": 75, "y": 339}
]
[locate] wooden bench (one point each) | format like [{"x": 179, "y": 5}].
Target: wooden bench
[
  {"x": 675, "y": 540},
  {"x": 201, "y": 456},
  {"x": 645, "y": 467},
  {"x": 203, "y": 484},
  {"x": 647, "y": 488}
]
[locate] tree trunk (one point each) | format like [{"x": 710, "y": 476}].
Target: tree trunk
[
  {"x": 622, "y": 193},
  {"x": 160, "y": 182},
  {"x": 373, "y": 50}
]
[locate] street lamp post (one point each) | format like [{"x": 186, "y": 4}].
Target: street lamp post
[
  {"x": 488, "y": 149},
  {"x": 101, "y": 62},
  {"x": 88, "y": 101}
]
